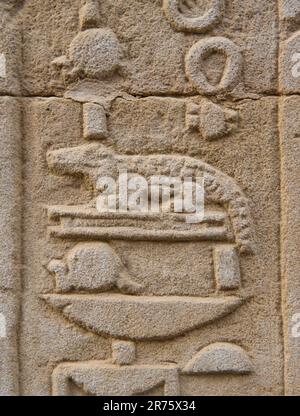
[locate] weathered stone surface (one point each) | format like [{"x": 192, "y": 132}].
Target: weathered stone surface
[
  {"x": 161, "y": 268},
  {"x": 140, "y": 27},
  {"x": 227, "y": 268},
  {"x": 290, "y": 146},
  {"x": 120, "y": 122},
  {"x": 290, "y": 10},
  {"x": 10, "y": 243},
  {"x": 102, "y": 379},
  {"x": 10, "y": 47},
  {"x": 94, "y": 122},
  {"x": 219, "y": 358},
  {"x": 290, "y": 65},
  {"x": 123, "y": 352}
]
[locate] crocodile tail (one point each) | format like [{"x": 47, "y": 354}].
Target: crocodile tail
[{"x": 227, "y": 193}]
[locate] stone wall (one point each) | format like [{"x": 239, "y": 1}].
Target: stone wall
[{"x": 108, "y": 286}]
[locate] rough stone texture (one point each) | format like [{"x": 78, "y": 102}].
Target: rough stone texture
[
  {"x": 227, "y": 268},
  {"x": 290, "y": 9},
  {"x": 290, "y": 65},
  {"x": 220, "y": 358},
  {"x": 10, "y": 47},
  {"x": 99, "y": 302},
  {"x": 123, "y": 352},
  {"x": 94, "y": 122},
  {"x": 290, "y": 145},
  {"x": 140, "y": 27},
  {"x": 10, "y": 243}
]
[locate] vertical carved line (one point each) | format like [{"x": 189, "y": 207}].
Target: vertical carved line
[{"x": 10, "y": 240}]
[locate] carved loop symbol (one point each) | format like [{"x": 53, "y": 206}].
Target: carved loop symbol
[
  {"x": 178, "y": 12},
  {"x": 203, "y": 49}
]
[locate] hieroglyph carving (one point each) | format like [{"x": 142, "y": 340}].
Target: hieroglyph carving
[
  {"x": 232, "y": 70},
  {"x": 93, "y": 267},
  {"x": 94, "y": 288},
  {"x": 89, "y": 14},
  {"x": 210, "y": 119},
  {"x": 95, "y": 161},
  {"x": 142, "y": 317},
  {"x": 186, "y": 16},
  {"x": 104, "y": 379},
  {"x": 94, "y": 53}
]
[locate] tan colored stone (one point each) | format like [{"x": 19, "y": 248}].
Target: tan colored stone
[
  {"x": 290, "y": 65},
  {"x": 10, "y": 48},
  {"x": 153, "y": 48},
  {"x": 94, "y": 122},
  {"x": 9, "y": 353},
  {"x": 123, "y": 352},
  {"x": 290, "y": 9},
  {"x": 178, "y": 13},
  {"x": 167, "y": 270},
  {"x": 89, "y": 15},
  {"x": 101, "y": 379},
  {"x": 142, "y": 318},
  {"x": 92, "y": 267},
  {"x": 201, "y": 51},
  {"x": 290, "y": 235},
  {"x": 227, "y": 268},
  {"x": 10, "y": 243},
  {"x": 110, "y": 111},
  {"x": 220, "y": 358}
]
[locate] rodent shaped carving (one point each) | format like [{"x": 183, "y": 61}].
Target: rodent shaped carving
[
  {"x": 93, "y": 267},
  {"x": 95, "y": 161},
  {"x": 200, "y": 51},
  {"x": 182, "y": 15}
]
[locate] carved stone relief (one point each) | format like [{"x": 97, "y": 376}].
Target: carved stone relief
[
  {"x": 114, "y": 114},
  {"x": 181, "y": 15}
]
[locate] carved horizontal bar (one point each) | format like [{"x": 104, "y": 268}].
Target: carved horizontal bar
[{"x": 138, "y": 234}]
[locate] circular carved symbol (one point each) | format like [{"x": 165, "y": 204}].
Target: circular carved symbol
[
  {"x": 201, "y": 51},
  {"x": 182, "y": 14}
]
